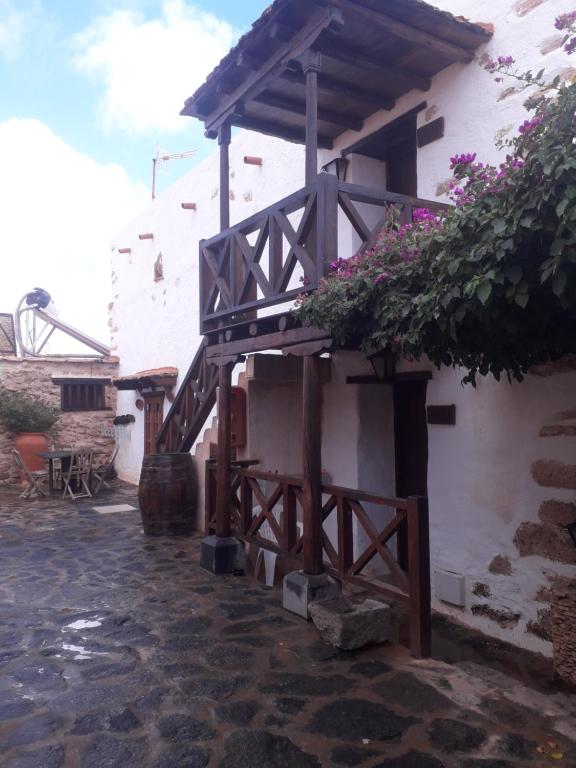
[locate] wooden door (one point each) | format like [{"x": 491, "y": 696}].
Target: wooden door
[
  {"x": 411, "y": 440},
  {"x": 411, "y": 436},
  {"x": 153, "y": 418}
]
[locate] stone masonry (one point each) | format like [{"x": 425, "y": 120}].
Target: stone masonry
[{"x": 34, "y": 377}]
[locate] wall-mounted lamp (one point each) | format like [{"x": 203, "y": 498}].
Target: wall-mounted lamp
[
  {"x": 337, "y": 167},
  {"x": 383, "y": 364}
]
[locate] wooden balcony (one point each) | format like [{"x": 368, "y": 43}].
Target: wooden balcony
[{"x": 267, "y": 260}]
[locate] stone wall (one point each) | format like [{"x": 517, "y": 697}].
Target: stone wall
[
  {"x": 564, "y": 631},
  {"x": 34, "y": 377}
]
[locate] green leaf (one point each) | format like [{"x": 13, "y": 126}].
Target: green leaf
[
  {"x": 484, "y": 290},
  {"x": 522, "y": 299}
]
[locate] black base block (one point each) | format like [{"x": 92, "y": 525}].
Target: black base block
[{"x": 218, "y": 555}]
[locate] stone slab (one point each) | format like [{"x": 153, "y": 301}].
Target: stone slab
[
  {"x": 350, "y": 625},
  {"x": 111, "y": 508}
]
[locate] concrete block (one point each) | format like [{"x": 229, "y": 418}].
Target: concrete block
[
  {"x": 300, "y": 589},
  {"x": 348, "y": 625},
  {"x": 218, "y": 555}
]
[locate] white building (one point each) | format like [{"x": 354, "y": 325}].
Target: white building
[{"x": 501, "y": 478}]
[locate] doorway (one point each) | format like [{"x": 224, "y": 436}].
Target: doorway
[
  {"x": 411, "y": 445},
  {"x": 153, "y": 418}
]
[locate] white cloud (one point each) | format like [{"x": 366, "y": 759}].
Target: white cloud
[
  {"x": 149, "y": 67},
  {"x": 60, "y": 209},
  {"x": 17, "y": 21}
]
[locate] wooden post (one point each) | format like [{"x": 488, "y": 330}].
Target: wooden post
[
  {"x": 312, "y": 465},
  {"x": 311, "y": 65},
  {"x": 224, "y": 451},
  {"x": 224, "y": 135},
  {"x": 419, "y": 576}
]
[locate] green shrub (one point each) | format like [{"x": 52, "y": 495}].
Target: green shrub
[{"x": 21, "y": 413}]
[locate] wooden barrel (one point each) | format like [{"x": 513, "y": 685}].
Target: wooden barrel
[{"x": 167, "y": 494}]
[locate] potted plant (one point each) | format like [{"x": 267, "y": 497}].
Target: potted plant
[{"x": 27, "y": 418}]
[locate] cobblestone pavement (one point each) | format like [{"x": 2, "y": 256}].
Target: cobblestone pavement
[{"x": 117, "y": 650}]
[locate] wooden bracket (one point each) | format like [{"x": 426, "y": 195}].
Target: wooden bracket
[
  {"x": 309, "y": 348},
  {"x": 222, "y": 360}
]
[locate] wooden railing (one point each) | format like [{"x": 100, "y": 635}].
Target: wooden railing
[
  {"x": 191, "y": 407},
  {"x": 266, "y": 510},
  {"x": 273, "y": 256}
]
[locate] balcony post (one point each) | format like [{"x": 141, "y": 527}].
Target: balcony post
[
  {"x": 312, "y": 465},
  {"x": 224, "y": 136},
  {"x": 311, "y": 65},
  {"x": 219, "y": 552},
  {"x": 300, "y": 588}
]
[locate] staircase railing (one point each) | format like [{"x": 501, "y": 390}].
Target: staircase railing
[{"x": 191, "y": 407}]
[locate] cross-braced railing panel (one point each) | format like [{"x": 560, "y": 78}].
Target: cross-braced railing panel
[
  {"x": 261, "y": 262},
  {"x": 357, "y": 528},
  {"x": 191, "y": 407}
]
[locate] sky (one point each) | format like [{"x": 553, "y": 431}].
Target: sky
[{"x": 89, "y": 89}]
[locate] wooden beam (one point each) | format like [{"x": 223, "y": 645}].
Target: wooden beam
[
  {"x": 334, "y": 85},
  {"x": 224, "y": 137},
  {"x": 224, "y": 451},
  {"x": 269, "y": 341},
  {"x": 419, "y": 576},
  {"x": 311, "y": 66},
  {"x": 297, "y": 135},
  {"x": 321, "y": 19},
  {"x": 356, "y": 57},
  {"x": 380, "y": 21},
  {"x": 312, "y": 466},
  {"x": 298, "y": 107}
]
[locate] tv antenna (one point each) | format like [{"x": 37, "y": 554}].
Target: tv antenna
[{"x": 162, "y": 157}]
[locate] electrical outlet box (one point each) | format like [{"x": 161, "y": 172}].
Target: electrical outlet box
[{"x": 450, "y": 587}]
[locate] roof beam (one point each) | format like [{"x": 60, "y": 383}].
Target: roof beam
[
  {"x": 298, "y": 107},
  {"x": 378, "y": 20},
  {"x": 334, "y": 85},
  {"x": 271, "y": 128},
  {"x": 356, "y": 57},
  {"x": 323, "y": 18}
]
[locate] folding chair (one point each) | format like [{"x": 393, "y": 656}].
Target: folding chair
[
  {"x": 35, "y": 478},
  {"x": 100, "y": 472},
  {"x": 77, "y": 477}
]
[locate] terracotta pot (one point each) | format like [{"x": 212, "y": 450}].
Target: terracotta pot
[{"x": 28, "y": 444}]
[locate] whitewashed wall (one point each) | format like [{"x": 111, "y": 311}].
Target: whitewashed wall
[
  {"x": 156, "y": 324},
  {"x": 481, "y": 484}
]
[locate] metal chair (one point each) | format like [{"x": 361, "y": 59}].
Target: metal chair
[
  {"x": 35, "y": 478},
  {"x": 100, "y": 472},
  {"x": 77, "y": 477}
]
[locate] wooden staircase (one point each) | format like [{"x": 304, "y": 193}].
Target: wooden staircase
[{"x": 191, "y": 407}]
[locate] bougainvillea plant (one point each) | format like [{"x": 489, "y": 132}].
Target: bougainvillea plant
[{"x": 489, "y": 284}]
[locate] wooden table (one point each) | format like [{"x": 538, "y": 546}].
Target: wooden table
[{"x": 65, "y": 456}]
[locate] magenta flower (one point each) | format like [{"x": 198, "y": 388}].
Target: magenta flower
[
  {"x": 529, "y": 125},
  {"x": 465, "y": 159},
  {"x": 565, "y": 20},
  {"x": 506, "y": 61}
]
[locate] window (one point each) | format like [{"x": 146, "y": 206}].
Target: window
[{"x": 82, "y": 395}]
